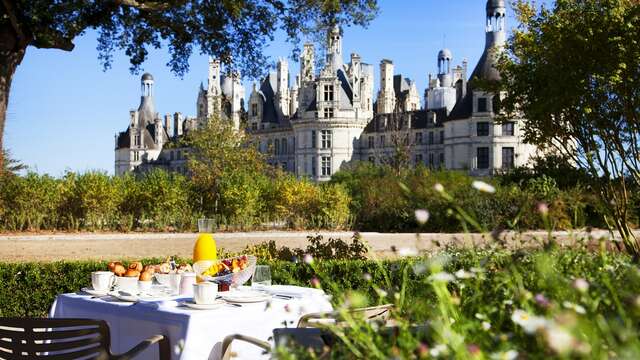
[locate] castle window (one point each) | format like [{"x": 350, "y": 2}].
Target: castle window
[
  {"x": 430, "y": 141},
  {"x": 313, "y": 139},
  {"x": 382, "y": 141},
  {"x": 507, "y": 158},
  {"x": 284, "y": 146},
  {"x": 431, "y": 160},
  {"x": 441, "y": 136},
  {"x": 254, "y": 109},
  {"x": 371, "y": 142},
  {"x": 441, "y": 160},
  {"x": 313, "y": 167},
  {"x": 171, "y": 155},
  {"x": 284, "y": 166},
  {"x": 328, "y": 93},
  {"x": 483, "y": 157},
  {"x": 269, "y": 146},
  {"x": 178, "y": 155},
  {"x": 325, "y": 137},
  {"x": 418, "y": 138},
  {"x": 508, "y": 128},
  {"x": 418, "y": 159},
  {"x": 254, "y": 126},
  {"x": 328, "y": 113},
  {"x": 326, "y": 166},
  {"x": 482, "y": 128},
  {"x": 482, "y": 104},
  {"x": 136, "y": 140},
  {"x": 277, "y": 147},
  {"x": 136, "y": 156}
]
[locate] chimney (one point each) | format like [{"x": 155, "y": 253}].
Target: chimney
[
  {"x": 168, "y": 125},
  {"x": 177, "y": 130}
]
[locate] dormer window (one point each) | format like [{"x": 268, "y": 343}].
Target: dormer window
[
  {"x": 136, "y": 140},
  {"x": 328, "y": 93},
  {"x": 328, "y": 113},
  {"x": 482, "y": 104},
  {"x": 254, "y": 109}
]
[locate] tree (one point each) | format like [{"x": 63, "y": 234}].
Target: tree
[
  {"x": 573, "y": 72},
  {"x": 10, "y": 166},
  {"x": 227, "y": 170},
  {"x": 234, "y": 31}
]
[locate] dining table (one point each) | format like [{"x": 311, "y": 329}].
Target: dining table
[{"x": 194, "y": 334}]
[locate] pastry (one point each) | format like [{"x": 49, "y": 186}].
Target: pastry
[
  {"x": 145, "y": 276},
  {"x": 150, "y": 269},
  {"x": 136, "y": 265},
  {"x": 132, "y": 273},
  {"x": 119, "y": 270}
]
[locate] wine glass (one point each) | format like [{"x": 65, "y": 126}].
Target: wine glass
[{"x": 261, "y": 276}]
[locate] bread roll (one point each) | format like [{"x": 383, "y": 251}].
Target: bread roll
[
  {"x": 150, "y": 269},
  {"x": 132, "y": 273},
  {"x": 136, "y": 265},
  {"x": 145, "y": 276},
  {"x": 119, "y": 270}
]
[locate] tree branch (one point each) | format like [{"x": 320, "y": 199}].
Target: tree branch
[
  {"x": 22, "y": 39},
  {"x": 54, "y": 41},
  {"x": 150, "y": 6}
]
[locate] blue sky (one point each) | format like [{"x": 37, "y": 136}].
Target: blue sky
[{"x": 64, "y": 110}]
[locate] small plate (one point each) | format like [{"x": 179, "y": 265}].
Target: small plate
[
  {"x": 244, "y": 296},
  {"x": 124, "y": 296},
  {"x": 91, "y": 291},
  {"x": 191, "y": 304}
]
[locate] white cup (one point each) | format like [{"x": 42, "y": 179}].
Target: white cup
[
  {"x": 128, "y": 284},
  {"x": 144, "y": 286},
  {"x": 205, "y": 293},
  {"x": 102, "y": 280}
]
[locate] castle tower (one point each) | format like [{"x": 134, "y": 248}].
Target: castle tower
[
  {"x": 496, "y": 24},
  {"x": 444, "y": 68},
  {"x": 214, "y": 90},
  {"x": 147, "y": 108},
  {"x": 282, "y": 87},
  {"x": 334, "y": 48},
  {"x": 307, "y": 64},
  {"x": 386, "y": 96}
]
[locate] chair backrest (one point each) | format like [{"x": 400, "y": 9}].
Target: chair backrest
[
  {"x": 375, "y": 313},
  {"x": 53, "y": 339}
]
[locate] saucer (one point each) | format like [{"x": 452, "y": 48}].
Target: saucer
[
  {"x": 244, "y": 296},
  {"x": 191, "y": 304},
  {"x": 91, "y": 291}
]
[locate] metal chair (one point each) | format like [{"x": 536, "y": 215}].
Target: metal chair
[
  {"x": 308, "y": 333},
  {"x": 63, "y": 339}
]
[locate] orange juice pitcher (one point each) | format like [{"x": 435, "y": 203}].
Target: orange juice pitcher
[{"x": 205, "y": 247}]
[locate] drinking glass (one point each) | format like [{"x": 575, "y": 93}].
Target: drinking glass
[{"x": 261, "y": 276}]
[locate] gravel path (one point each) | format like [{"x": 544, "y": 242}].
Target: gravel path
[{"x": 29, "y": 247}]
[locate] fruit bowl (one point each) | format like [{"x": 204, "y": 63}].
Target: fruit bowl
[{"x": 232, "y": 279}]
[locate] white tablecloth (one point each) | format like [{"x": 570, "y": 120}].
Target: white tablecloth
[{"x": 194, "y": 334}]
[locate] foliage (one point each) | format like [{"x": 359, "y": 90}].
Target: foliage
[
  {"x": 589, "y": 52},
  {"x": 318, "y": 249}
]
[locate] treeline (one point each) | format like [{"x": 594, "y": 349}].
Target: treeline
[{"x": 162, "y": 201}]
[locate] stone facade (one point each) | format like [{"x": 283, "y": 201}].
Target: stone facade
[{"x": 324, "y": 119}]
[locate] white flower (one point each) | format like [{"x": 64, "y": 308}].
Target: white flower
[
  {"x": 529, "y": 323},
  {"x": 419, "y": 268},
  {"x": 438, "y": 187},
  {"x": 483, "y": 187},
  {"x": 559, "y": 339},
  {"x": 463, "y": 274},
  {"x": 505, "y": 355},
  {"x": 366, "y": 277},
  {"x": 405, "y": 252},
  {"x": 575, "y": 307},
  {"x": 438, "y": 350},
  {"x": 308, "y": 259},
  {"x": 442, "y": 277},
  {"x": 581, "y": 285},
  {"x": 486, "y": 325},
  {"x": 422, "y": 216}
]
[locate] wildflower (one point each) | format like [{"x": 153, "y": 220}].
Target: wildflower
[
  {"x": 529, "y": 323},
  {"x": 483, "y": 187},
  {"x": 382, "y": 293},
  {"x": 542, "y": 301},
  {"x": 486, "y": 326},
  {"x": 423, "y": 351},
  {"x": 581, "y": 285},
  {"x": 438, "y": 187},
  {"x": 308, "y": 259},
  {"x": 542, "y": 208},
  {"x": 559, "y": 339},
  {"x": 476, "y": 270},
  {"x": 419, "y": 268},
  {"x": 315, "y": 282},
  {"x": 438, "y": 350},
  {"x": 473, "y": 349},
  {"x": 575, "y": 307},
  {"x": 442, "y": 277},
  {"x": 504, "y": 355},
  {"x": 422, "y": 216},
  {"x": 366, "y": 277},
  {"x": 463, "y": 274},
  {"x": 407, "y": 252}
]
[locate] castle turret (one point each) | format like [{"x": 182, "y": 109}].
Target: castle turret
[
  {"x": 386, "y": 96},
  {"x": 444, "y": 67},
  {"x": 334, "y": 48},
  {"x": 282, "y": 87},
  {"x": 146, "y": 110}
]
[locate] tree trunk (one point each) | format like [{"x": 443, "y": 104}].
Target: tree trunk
[{"x": 9, "y": 61}]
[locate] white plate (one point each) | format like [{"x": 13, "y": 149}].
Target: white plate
[
  {"x": 244, "y": 296},
  {"x": 91, "y": 291},
  {"x": 193, "y": 305},
  {"x": 130, "y": 297}
]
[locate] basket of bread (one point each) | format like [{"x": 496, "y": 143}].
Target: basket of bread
[
  {"x": 160, "y": 272},
  {"x": 227, "y": 273}
]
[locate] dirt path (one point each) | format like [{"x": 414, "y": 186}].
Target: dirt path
[{"x": 28, "y": 247}]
